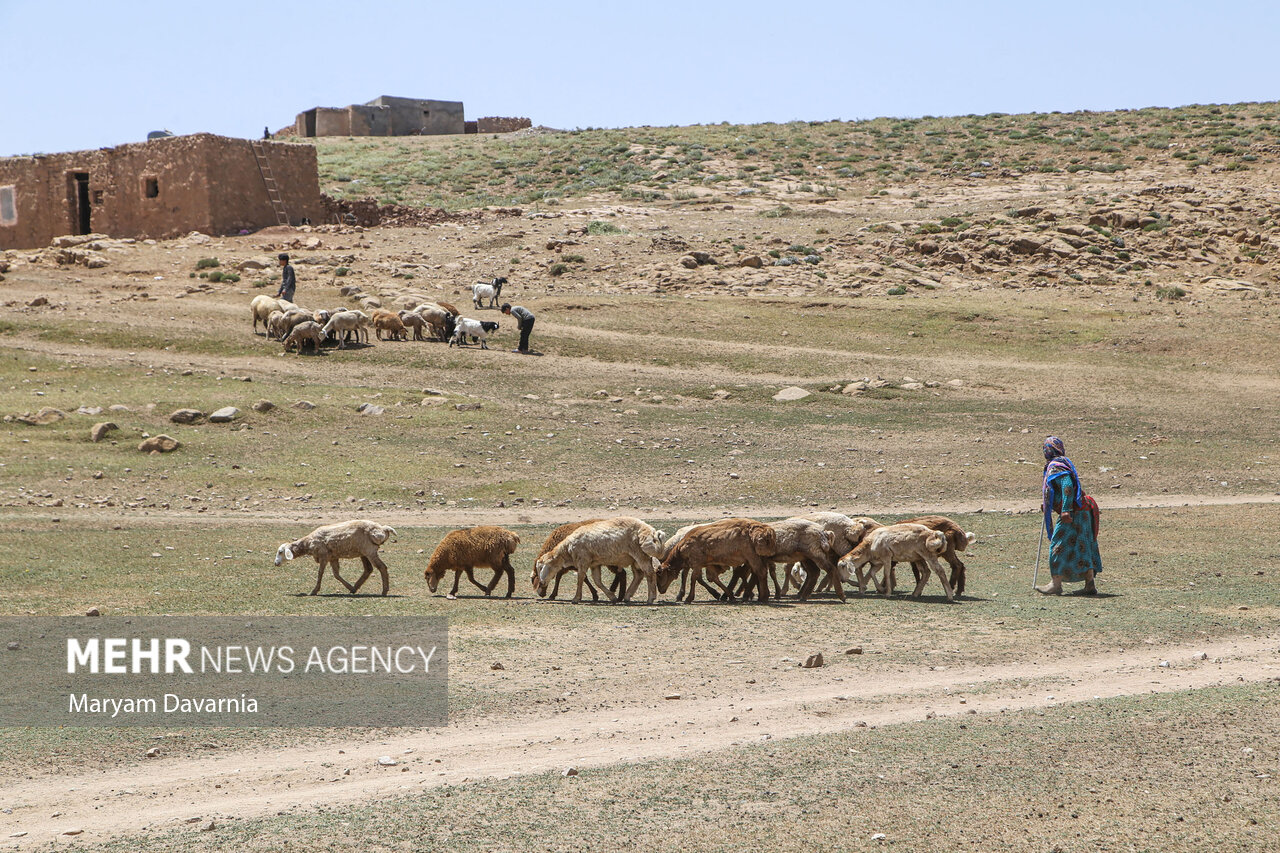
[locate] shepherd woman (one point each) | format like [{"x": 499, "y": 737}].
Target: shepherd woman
[{"x": 1073, "y": 540}]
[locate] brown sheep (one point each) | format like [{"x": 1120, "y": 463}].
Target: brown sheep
[
  {"x": 801, "y": 541},
  {"x": 621, "y": 541},
  {"x": 414, "y": 321},
  {"x": 555, "y": 538},
  {"x": 732, "y": 542},
  {"x": 303, "y": 333},
  {"x": 389, "y": 322},
  {"x": 450, "y": 308},
  {"x": 904, "y": 543},
  {"x": 346, "y": 540},
  {"x": 473, "y": 548},
  {"x": 957, "y": 540}
]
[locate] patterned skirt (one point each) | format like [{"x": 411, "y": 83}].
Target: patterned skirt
[{"x": 1073, "y": 550}]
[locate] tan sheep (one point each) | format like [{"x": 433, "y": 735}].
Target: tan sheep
[
  {"x": 344, "y": 322},
  {"x": 261, "y": 306},
  {"x": 845, "y": 532},
  {"x": 389, "y": 322},
  {"x": 957, "y": 540},
  {"x": 308, "y": 332},
  {"x": 800, "y": 540},
  {"x": 621, "y": 541},
  {"x": 555, "y": 538},
  {"x": 276, "y": 330},
  {"x": 474, "y": 548},
  {"x": 414, "y": 321},
  {"x": 732, "y": 542},
  {"x": 903, "y": 543},
  {"x": 346, "y": 540}
]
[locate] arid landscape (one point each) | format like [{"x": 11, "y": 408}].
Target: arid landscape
[{"x": 881, "y": 318}]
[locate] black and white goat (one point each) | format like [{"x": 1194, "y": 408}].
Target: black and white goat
[
  {"x": 478, "y": 330},
  {"x": 489, "y": 290}
]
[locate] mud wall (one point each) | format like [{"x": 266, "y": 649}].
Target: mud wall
[
  {"x": 501, "y": 124},
  {"x": 158, "y": 189},
  {"x": 410, "y": 116}
]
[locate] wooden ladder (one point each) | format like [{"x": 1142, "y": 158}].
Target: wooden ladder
[{"x": 273, "y": 190}]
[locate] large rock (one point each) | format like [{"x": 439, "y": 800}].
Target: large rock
[
  {"x": 752, "y": 261},
  {"x": 159, "y": 444},
  {"x": 68, "y": 240},
  {"x": 44, "y": 417},
  {"x": 795, "y": 392},
  {"x": 186, "y": 416},
  {"x": 225, "y": 415},
  {"x": 100, "y": 431},
  {"x": 263, "y": 406}
]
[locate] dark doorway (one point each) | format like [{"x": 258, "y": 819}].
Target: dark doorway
[
  {"x": 309, "y": 123},
  {"x": 78, "y": 201}
]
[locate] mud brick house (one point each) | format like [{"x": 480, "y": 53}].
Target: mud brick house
[
  {"x": 160, "y": 188},
  {"x": 383, "y": 116}
]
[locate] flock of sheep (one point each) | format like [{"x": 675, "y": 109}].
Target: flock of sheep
[
  {"x": 300, "y": 328},
  {"x": 825, "y": 547}
]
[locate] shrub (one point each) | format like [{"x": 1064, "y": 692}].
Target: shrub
[
  {"x": 207, "y": 263},
  {"x": 897, "y": 290},
  {"x": 558, "y": 269},
  {"x": 341, "y": 271},
  {"x": 1170, "y": 294},
  {"x": 952, "y": 222},
  {"x": 213, "y": 276},
  {"x": 574, "y": 259},
  {"x": 596, "y": 227},
  {"x": 777, "y": 212}
]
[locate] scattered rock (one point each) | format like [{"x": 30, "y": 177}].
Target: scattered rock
[
  {"x": 225, "y": 415},
  {"x": 89, "y": 410},
  {"x": 74, "y": 832},
  {"x": 496, "y": 666},
  {"x": 304, "y": 405},
  {"x": 672, "y": 696},
  {"x": 209, "y": 827},
  {"x": 856, "y": 650},
  {"x": 1200, "y": 656},
  {"x": 14, "y": 646},
  {"x": 263, "y": 406},
  {"x": 186, "y": 416},
  {"x": 93, "y": 611},
  {"x": 689, "y": 262},
  {"x": 153, "y": 752},
  {"x": 467, "y": 407},
  {"x": 387, "y": 761},
  {"x": 752, "y": 261},
  {"x": 38, "y": 302},
  {"x": 570, "y": 771},
  {"x": 813, "y": 661},
  {"x": 1165, "y": 664},
  {"x": 370, "y": 409},
  {"x": 44, "y": 417},
  {"x": 720, "y": 394},
  {"x": 159, "y": 444},
  {"x": 795, "y": 392},
  {"x": 854, "y": 388},
  {"x": 100, "y": 431},
  {"x": 911, "y": 386}
]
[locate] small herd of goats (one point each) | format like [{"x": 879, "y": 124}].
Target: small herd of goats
[
  {"x": 299, "y": 328},
  {"x": 818, "y": 550}
]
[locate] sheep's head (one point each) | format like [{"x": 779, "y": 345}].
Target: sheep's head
[
  {"x": 669, "y": 569},
  {"x": 284, "y": 552},
  {"x": 936, "y": 541},
  {"x": 433, "y": 576},
  {"x": 844, "y": 569},
  {"x": 798, "y": 574},
  {"x": 651, "y": 544}
]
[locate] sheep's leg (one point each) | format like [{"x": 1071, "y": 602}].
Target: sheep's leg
[
  {"x": 368, "y": 570},
  {"x": 608, "y": 591},
  {"x": 582, "y": 575},
  {"x": 382, "y": 570},
  {"x": 831, "y": 574},
  {"x": 777, "y": 588},
  {"x": 684, "y": 577},
  {"x": 470, "y": 570},
  {"x": 635, "y": 582},
  {"x": 619, "y": 580},
  {"x": 319, "y": 577},
  {"x": 806, "y": 589},
  {"x": 957, "y": 573},
  {"x": 457, "y": 578},
  {"x": 510, "y": 571},
  {"x": 761, "y": 575},
  {"x": 695, "y": 578},
  {"x": 942, "y": 578},
  {"x": 333, "y": 564},
  {"x": 786, "y": 580}
]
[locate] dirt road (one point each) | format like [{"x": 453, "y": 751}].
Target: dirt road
[{"x": 164, "y": 794}]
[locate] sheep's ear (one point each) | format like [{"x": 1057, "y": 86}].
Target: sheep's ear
[
  {"x": 662, "y": 536},
  {"x": 288, "y": 552}
]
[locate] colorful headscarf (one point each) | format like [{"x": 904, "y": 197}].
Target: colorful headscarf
[{"x": 1056, "y": 465}]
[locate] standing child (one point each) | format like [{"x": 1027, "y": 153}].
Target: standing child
[
  {"x": 288, "y": 280},
  {"x": 525, "y": 318}
]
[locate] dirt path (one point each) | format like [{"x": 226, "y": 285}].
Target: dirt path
[
  {"x": 258, "y": 782},
  {"x": 465, "y": 516}
]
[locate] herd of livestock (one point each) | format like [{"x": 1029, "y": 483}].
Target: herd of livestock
[
  {"x": 300, "y": 328},
  {"x": 817, "y": 551}
]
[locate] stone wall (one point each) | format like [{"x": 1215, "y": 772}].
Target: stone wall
[
  {"x": 501, "y": 124},
  {"x": 159, "y": 189}
]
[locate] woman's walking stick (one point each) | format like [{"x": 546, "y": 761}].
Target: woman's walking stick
[{"x": 1035, "y": 577}]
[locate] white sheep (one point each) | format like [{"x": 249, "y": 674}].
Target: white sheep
[
  {"x": 262, "y": 305},
  {"x": 475, "y": 328},
  {"x": 490, "y": 290},
  {"x": 903, "y": 543},
  {"x": 346, "y": 540},
  {"x": 622, "y": 541},
  {"x": 347, "y": 321}
]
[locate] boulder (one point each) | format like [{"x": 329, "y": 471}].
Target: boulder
[
  {"x": 159, "y": 444},
  {"x": 794, "y": 392},
  {"x": 100, "y": 431},
  {"x": 225, "y": 415},
  {"x": 927, "y": 247},
  {"x": 44, "y": 417},
  {"x": 752, "y": 261},
  {"x": 689, "y": 262},
  {"x": 186, "y": 416}
]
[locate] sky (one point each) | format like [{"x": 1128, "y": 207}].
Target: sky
[{"x": 77, "y": 74}]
